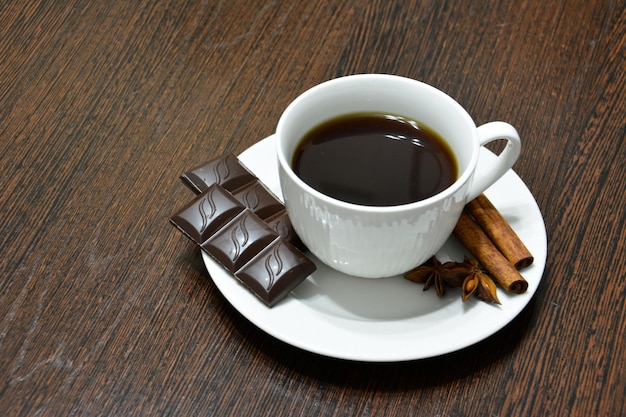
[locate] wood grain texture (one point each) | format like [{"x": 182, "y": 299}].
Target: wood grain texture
[{"x": 106, "y": 310}]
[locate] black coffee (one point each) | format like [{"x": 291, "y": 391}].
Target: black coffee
[{"x": 375, "y": 159}]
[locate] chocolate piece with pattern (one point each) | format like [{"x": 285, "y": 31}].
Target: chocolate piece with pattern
[{"x": 256, "y": 253}]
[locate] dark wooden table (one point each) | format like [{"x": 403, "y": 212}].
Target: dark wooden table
[{"x": 105, "y": 309}]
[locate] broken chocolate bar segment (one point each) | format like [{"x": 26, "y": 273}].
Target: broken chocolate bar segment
[
  {"x": 281, "y": 224},
  {"x": 231, "y": 174},
  {"x": 239, "y": 241},
  {"x": 244, "y": 244},
  {"x": 206, "y": 214},
  {"x": 226, "y": 171},
  {"x": 278, "y": 269},
  {"x": 258, "y": 199}
]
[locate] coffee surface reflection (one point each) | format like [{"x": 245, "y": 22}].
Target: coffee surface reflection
[{"x": 375, "y": 159}]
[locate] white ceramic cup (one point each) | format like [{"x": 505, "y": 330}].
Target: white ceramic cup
[{"x": 376, "y": 242}]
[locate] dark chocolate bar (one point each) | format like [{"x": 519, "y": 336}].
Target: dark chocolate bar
[
  {"x": 233, "y": 176},
  {"x": 253, "y": 251}
]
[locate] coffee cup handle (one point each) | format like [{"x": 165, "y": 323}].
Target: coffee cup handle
[{"x": 488, "y": 170}]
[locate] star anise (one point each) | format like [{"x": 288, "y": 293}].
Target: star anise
[
  {"x": 467, "y": 274},
  {"x": 433, "y": 272},
  {"x": 479, "y": 283}
]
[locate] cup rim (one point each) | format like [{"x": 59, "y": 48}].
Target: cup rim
[{"x": 462, "y": 179}]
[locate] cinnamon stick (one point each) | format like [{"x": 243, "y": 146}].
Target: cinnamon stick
[
  {"x": 499, "y": 231},
  {"x": 480, "y": 246}
]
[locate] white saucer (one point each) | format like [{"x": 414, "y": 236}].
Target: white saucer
[{"x": 390, "y": 319}]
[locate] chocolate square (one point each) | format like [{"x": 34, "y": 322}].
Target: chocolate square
[
  {"x": 281, "y": 224},
  {"x": 239, "y": 241},
  {"x": 226, "y": 171},
  {"x": 275, "y": 271},
  {"x": 258, "y": 199},
  {"x": 206, "y": 214}
]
